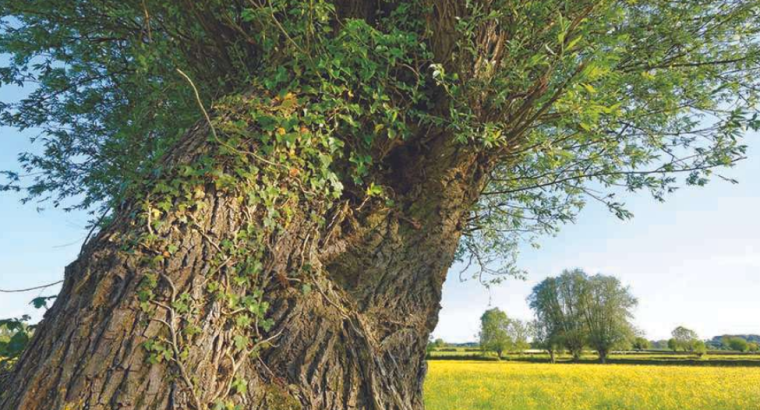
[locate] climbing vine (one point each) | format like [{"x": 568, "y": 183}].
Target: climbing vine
[{"x": 278, "y": 153}]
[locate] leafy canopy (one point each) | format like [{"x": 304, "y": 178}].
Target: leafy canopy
[
  {"x": 500, "y": 334},
  {"x": 641, "y": 343},
  {"x": 683, "y": 339},
  {"x": 738, "y": 344},
  {"x": 558, "y": 304},
  {"x": 608, "y": 308},
  {"x": 576, "y": 309},
  {"x": 566, "y": 100}
]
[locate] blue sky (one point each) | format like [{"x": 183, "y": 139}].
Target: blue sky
[
  {"x": 693, "y": 260},
  {"x": 34, "y": 246}
]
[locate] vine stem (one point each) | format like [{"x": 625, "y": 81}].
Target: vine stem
[
  {"x": 218, "y": 140},
  {"x": 175, "y": 341}
]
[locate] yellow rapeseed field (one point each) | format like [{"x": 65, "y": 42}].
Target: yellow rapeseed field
[{"x": 469, "y": 385}]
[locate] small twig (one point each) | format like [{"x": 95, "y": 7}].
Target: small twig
[
  {"x": 341, "y": 310},
  {"x": 30, "y": 289},
  {"x": 147, "y": 22},
  {"x": 213, "y": 129},
  {"x": 269, "y": 339},
  {"x": 200, "y": 103},
  {"x": 208, "y": 238},
  {"x": 217, "y": 270},
  {"x": 150, "y": 221}
]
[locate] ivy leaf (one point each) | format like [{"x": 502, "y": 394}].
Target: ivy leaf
[
  {"x": 241, "y": 342},
  {"x": 40, "y": 302}
]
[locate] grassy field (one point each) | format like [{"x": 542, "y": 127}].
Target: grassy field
[{"x": 469, "y": 385}]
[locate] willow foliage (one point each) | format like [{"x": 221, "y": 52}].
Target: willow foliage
[{"x": 569, "y": 100}]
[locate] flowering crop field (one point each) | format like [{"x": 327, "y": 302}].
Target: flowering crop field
[{"x": 468, "y": 385}]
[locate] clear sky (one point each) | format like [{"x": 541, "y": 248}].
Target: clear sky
[{"x": 692, "y": 261}]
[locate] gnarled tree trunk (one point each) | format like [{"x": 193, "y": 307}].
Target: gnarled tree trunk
[{"x": 355, "y": 341}]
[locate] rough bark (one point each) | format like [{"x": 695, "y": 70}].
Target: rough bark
[{"x": 356, "y": 342}]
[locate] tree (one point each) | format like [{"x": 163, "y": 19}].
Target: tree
[
  {"x": 753, "y": 347},
  {"x": 722, "y": 342},
  {"x": 578, "y": 310},
  {"x": 518, "y": 332},
  {"x": 434, "y": 345},
  {"x": 660, "y": 344},
  {"x": 725, "y": 342},
  {"x": 543, "y": 338},
  {"x": 557, "y": 304},
  {"x": 641, "y": 343},
  {"x": 699, "y": 348},
  {"x": 494, "y": 332},
  {"x": 439, "y": 343},
  {"x": 684, "y": 339},
  {"x": 279, "y": 188},
  {"x": 672, "y": 344},
  {"x": 607, "y": 307},
  {"x": 738, "y": 344}
]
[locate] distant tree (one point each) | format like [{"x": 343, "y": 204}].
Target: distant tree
[
  {"x": 607, "y": 308},
  {"x": 753, "y": 347},
  {"x": 684, "y": 339},
  {"x": 699, "y": 348},
  {"x": 557, "y": 303},
  {"x": 660, "y": 344},
  {"x": 641, "y": 343},
  {"x": 738, "y": 344},
  {"x": 672, "y": 344},
  {"x": 518, "y": 331},
  {"x": 576, "y": 309},
  {"x": 725, "y": 342},
  {"x": 434, "y": 345},
  {"x": 544, "y": 339},
  {"x": 430, "y": 348},
  {"x": 713, "y": 345},
  {"x": 494, "y": 332}
]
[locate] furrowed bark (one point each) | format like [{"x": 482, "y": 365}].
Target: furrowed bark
[{"x": 356, "y": 341}]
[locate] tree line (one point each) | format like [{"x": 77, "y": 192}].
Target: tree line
[{"x": 577, "y": 311}]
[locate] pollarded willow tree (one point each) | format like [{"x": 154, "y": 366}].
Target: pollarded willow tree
[
  {"x": 576, "y": 310},
  {"x": 281, "y": 186},
  {"x": 560, "y": 307}
]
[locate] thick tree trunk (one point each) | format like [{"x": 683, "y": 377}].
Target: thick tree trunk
[{"x": 355, "y": 341}]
